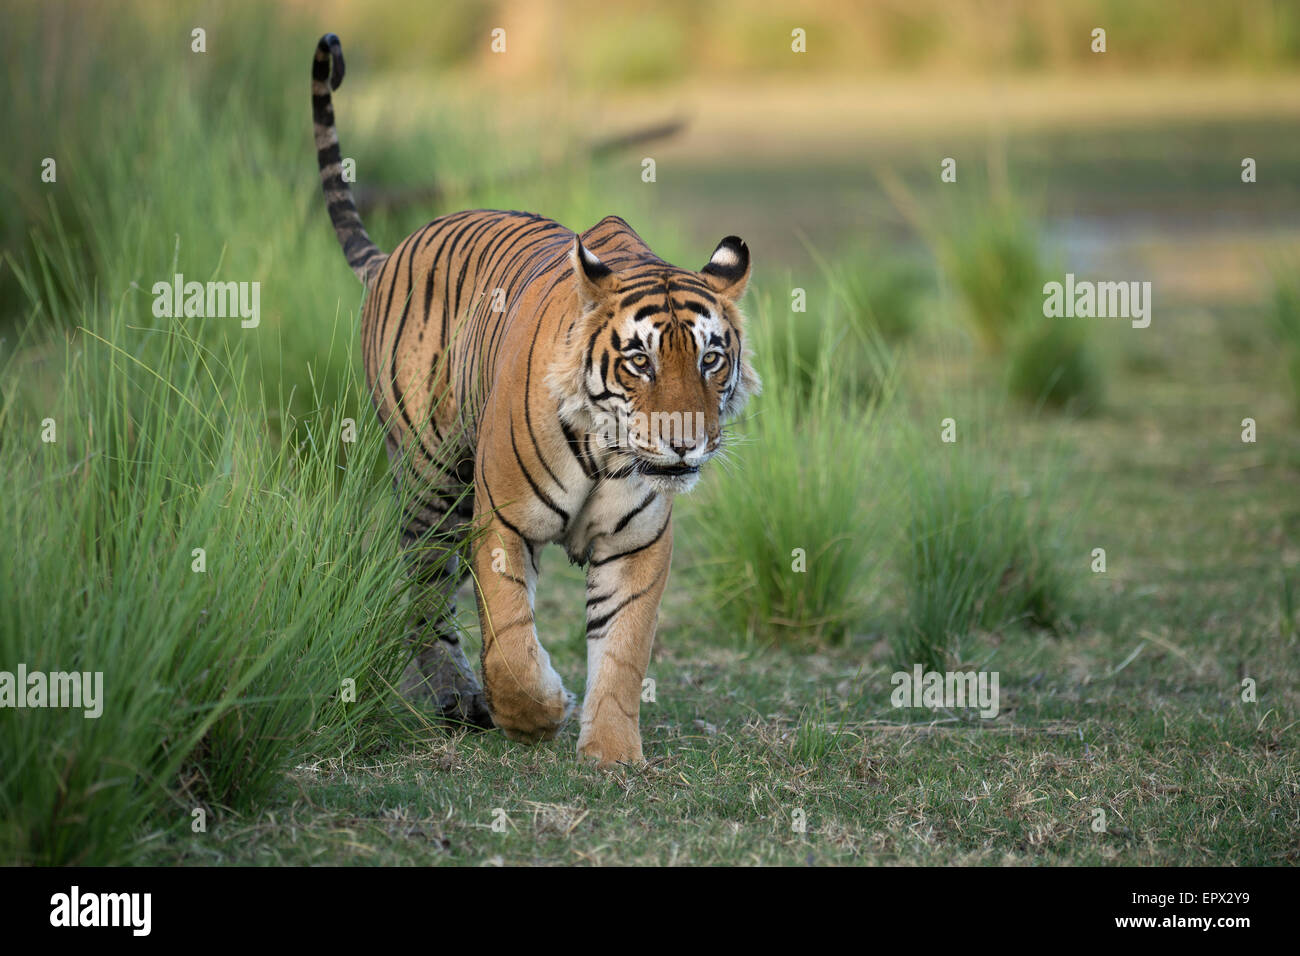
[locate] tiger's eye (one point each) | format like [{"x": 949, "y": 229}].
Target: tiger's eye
[
  {"x": 711, "y": 359},
  {"x": 640, "y": 360}
]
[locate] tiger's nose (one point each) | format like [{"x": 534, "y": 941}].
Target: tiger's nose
[{"x": 682, "y": 446}]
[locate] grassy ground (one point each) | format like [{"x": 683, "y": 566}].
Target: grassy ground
[{"x": 1122, "y": 735}]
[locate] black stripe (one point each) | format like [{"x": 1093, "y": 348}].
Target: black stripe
[
  {"x": 542, "y": 496},
  {"x": 697, "y": 307},
  {"x": 622, "y": 523},
  {"x": 597, "y": 623},
  {"x": 595, "y": 563}
]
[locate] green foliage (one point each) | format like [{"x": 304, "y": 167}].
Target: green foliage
[{"x": 1051, "y": 363}]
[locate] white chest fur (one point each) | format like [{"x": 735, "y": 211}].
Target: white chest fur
[{"x": 618, "y": 514}]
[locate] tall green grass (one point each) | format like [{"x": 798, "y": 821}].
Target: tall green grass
[
  {"x": 981, "y": 549},
  {"x": 682, "y": 39},
  {"x": 996, "y": 265},
  {"x": 216, "y": 675},
  {"x": 798, "y": 349}
]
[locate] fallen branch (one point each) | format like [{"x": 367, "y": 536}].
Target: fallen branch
[{"x": 382, "y": 197}]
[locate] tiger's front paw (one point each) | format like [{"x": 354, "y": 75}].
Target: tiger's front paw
[
  {"x": 531, "y": 719},
  {"x": 611, "y": 742}
]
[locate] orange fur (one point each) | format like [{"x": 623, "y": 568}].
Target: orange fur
[{"x": 500, "y": 348}]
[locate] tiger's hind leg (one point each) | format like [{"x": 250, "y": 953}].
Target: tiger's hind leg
[{"x": 439, "y": 674}]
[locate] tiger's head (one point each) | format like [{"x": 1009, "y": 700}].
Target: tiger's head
[{"x": 656, "y": 363}]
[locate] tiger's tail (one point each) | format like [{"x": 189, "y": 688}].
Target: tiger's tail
[{"x": 364, "y": 257}]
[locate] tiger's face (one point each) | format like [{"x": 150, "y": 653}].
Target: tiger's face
[{"x": 660, "y": 364}]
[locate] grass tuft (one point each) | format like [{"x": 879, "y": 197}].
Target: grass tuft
[
  {"x": 994, "y": 263},
  {"x": 979, "y": 552},
  {"x": 1051, "y": 364}
]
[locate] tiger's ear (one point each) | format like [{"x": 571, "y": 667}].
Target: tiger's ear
[
  {"x": 727, "y": 271},
  {"x": 594, "y": 279}
]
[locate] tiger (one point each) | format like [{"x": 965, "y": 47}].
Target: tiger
[{"x": 537, "y": 386}]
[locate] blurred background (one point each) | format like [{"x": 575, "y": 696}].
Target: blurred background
[
  {"x": 1123, "y": 164},
  {"x": 1117, "y": 152}
]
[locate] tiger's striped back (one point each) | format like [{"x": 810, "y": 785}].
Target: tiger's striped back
[{"x": 433, "y": 321}]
